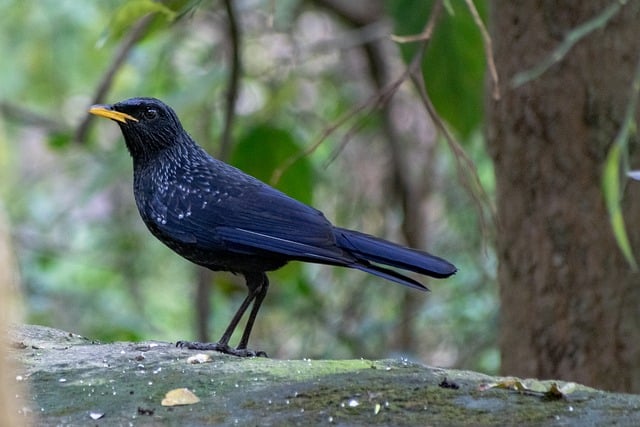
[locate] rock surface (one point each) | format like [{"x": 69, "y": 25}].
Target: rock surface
[{"x": 74, "y": 381}]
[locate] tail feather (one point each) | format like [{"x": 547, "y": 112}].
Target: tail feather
[
  {"x": 388, "y": 274},
  {"x": 373, "y": 249}
]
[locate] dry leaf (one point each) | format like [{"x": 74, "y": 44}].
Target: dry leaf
[
  {"x": 556, "y": 392},
  {"x": 535, "y": 388},
  {"x": 179, "y": 396}
]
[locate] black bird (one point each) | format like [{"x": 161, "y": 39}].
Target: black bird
[{"x": 221, "y": 218}]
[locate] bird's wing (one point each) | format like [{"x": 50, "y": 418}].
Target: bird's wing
[
  {"x": 250, "y": 242},
  {"x": 243, "y": 215},
  {"x": 264, "y": 219}
]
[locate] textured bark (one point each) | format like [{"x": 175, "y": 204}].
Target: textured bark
[{"x": 570, "y": 302}]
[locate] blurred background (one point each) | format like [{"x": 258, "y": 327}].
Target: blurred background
[{"x": 315, "y": 112}]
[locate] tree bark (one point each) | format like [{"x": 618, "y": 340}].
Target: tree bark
[{"x": 570, "y": 302}]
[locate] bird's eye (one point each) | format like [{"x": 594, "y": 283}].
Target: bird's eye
[{"x": 150, "y": 113}]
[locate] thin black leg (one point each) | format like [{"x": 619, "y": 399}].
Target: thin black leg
[
  {"x": 257, "y": 284},
  {"x": 226, "y": 336},
  {"x": 260, "y": 291}
]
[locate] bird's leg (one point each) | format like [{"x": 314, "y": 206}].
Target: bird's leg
[
  {"x": 257, "y": 283},
  {"x": 226, "y": 336},
  {"x": 261, "y": 289}
]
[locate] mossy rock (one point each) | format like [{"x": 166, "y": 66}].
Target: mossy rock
[{"x": 75, "y": 381}]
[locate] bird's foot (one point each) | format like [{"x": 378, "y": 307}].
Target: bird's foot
[{"x": 222, "y": 348}]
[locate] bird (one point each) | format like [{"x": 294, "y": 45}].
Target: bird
[{"x": 221, "y": 218}]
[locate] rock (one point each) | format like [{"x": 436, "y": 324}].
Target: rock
[{"x": 75, "y": 381}]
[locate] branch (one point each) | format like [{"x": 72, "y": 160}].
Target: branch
[
  {"x": 413, "y": 71},
  {"x": 29, "y": 117},
  {"x": 569, "y": 41},
  {"x": 204, "y": 277},
  {"x": 137, "y": 32},
  {"x": 472, "y": 183},
  {"x": 234, "y": 79},
  {"x": 488, "y": 48},
  {"x": 372, "y": 102}
]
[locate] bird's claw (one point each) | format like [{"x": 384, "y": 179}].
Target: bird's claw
[{"x": 222, "y": 348}]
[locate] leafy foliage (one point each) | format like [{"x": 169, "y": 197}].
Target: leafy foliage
[{"x": 453, "y": 66}]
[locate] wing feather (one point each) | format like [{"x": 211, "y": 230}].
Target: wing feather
[{"x": 245, "y": 215}]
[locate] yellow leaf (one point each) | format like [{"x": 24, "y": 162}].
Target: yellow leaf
[{"x": 179, "y": 396}]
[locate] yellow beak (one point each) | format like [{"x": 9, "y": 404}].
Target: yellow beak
[{"x": 106, "y": 111}]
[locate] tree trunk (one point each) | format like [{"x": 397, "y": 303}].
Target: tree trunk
[{"x": 570, "y": 302}]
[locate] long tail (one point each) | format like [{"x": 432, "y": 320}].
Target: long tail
[{"x": 372, "y": 249}]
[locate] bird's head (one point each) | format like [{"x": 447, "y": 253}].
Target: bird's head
[{"x": 148, "y": 125}]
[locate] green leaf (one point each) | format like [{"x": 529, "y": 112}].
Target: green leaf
[
  {"x": 133, "y": 10},
  {"x": 612, "y": 195},
  {"x": 454, "y": 64},
  {"x": 263, "y": 149}
]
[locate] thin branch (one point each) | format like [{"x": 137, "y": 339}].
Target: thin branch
[
  {"x": 408, "y": 189},
  {"x": 353, "y": 130},
  {"x": 424, "y": 36},
  {"x": 463, "y": 161},
  {"x": 23, "y": 115},
  {"x": 567, "y": 44},
  {"x": 277, "y": 173},
  {"x": 372, "y": 102},
  {"x": 488, "y": 48},
  {"x": 412, "y": 71},
  {"x": 137, "y": 32},
  {"x": 473, "y": 185},
  {"x": 234, "y": 79},
  {"x": 204, "y": 277}
]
